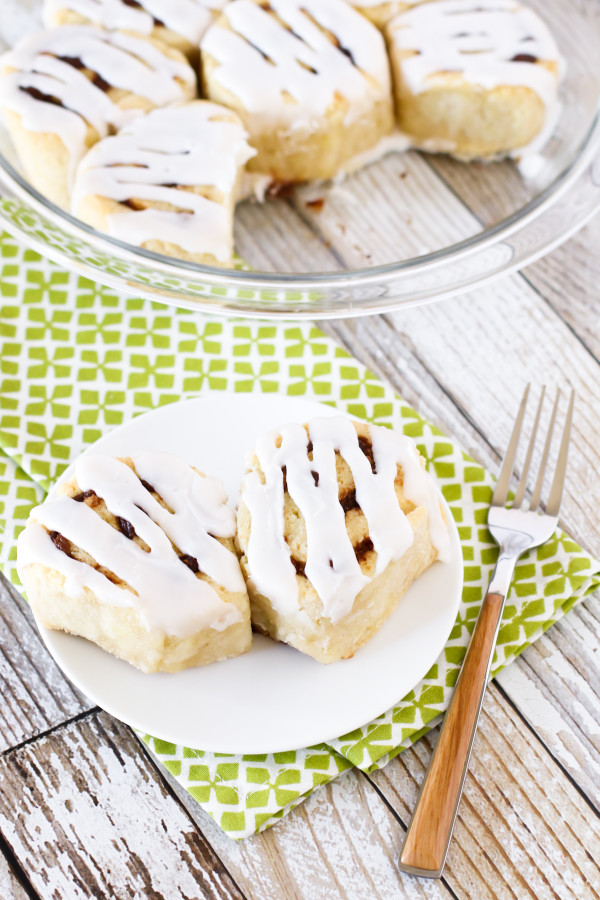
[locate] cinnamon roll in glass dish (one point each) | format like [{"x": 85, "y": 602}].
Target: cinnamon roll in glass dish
[
  {"x": 137, "y": 555},
  {"x": 179, "y": 24},
  {"x": 336, "y": 520},
  {"x": 168, "y": 182},
  {"x": 310, "y": 79},
  {"x": 63, "y": 90},
  {"x": 477, "y": 80}
]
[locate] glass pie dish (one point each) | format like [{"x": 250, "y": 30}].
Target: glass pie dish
[{"x": 404, "y": 230}]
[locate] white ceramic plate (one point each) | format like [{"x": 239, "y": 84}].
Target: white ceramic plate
[{"x": 273, "y": 698}]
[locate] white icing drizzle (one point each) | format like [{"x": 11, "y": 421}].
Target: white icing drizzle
[
  {"x": 478, "y": 40},
  {"x": 132, "y": 64},
  {"x": 290, "y": 75},
  {"x": 189, "y": 18},
  {"x": 331, "y": 564},
  {"x": 168, "y": 595},
  {"x": 199, "y": 143}
]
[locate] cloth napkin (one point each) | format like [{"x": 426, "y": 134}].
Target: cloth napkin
[{"x": 77, "y": 359}]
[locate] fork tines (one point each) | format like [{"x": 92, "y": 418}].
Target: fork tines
[{"x": 501, "y": 492}]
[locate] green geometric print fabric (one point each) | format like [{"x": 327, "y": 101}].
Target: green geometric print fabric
[{"x": 77, "y": 359}]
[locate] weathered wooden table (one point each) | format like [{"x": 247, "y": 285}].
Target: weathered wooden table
[{"x": 84, "y": 812}]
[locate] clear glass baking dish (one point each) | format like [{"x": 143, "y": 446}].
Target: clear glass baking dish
[{"x": 406, "y": 230}]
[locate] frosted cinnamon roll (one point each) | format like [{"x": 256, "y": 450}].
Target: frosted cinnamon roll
[
  {"x": 309, "y": 78},
  {"x": 180, "y": 24},
  {"x": 64, "y": 89},
  {"x": 474, "y": 79},
  {"x": 137, "y": 555},
  {"x": 168, "y": 182},
  {"x": 336, "y": 520}
]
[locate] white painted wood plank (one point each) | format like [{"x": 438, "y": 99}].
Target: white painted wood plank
[
  {"x": 569, "y": 280},
  {"x": 273, "y": 238},
  {"x": 86, "y": 816},
  {"x": 35, "y": 694},
  {"x": 509, "y": 333},
  {"x": 523, "y": 830},
  {"x": 484, "y": 347},
  {"x": 340, "y": 843},
  {"x": 395, "y": 209},
  {"x": 10, "y": 888},
  {"x": 556, "y": 687},
  {"x": 492, "y": 191}
]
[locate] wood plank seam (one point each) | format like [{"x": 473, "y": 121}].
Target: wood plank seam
[
  {"x": 333, "y": 331},
  {"x": 465, "y": 415},
  {"x": 463, "y": 412},
  {"x": 66, "y": 797},
  {"x": 403, "y": 825},
  {"x": 26, "y": 688},
  {"x": 49, "y": 731},
  {"x": 17, "y": 869},
  {"x": 18, "y": 600},
  {"x": 161, "y": 772},
  {"x": 530, "y": 728},
  {"x": 556, "y": 312},
  {"x": 485, "y": 829},
  {"x": 519, "y": 272}
]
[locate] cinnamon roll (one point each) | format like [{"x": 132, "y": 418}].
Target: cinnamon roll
[
  {"x": 336, "y": 520},
  {"x": 137, "y": 555},
  {"x": 474, "y": 79},
  {"x": 180, "y": 24},
  {"x": 168, "y": 182},
  {"x": 64, "y": 89},
  {"x": 309, "y": 78}
]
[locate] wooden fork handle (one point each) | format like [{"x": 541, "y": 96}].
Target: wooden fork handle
[{"x": 428, "y": 837}]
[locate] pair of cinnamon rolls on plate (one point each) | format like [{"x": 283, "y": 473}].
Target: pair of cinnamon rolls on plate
[{"x": 143, "y": 556}]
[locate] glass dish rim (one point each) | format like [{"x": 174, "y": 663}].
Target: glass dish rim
[{"x": 258, "y": 280}]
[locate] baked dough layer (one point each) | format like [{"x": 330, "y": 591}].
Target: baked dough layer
[
  {"x": 329, "y": 642},
  {"x": 122, "y": 633}
]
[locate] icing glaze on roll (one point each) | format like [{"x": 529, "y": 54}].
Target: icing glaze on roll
[
  {"x": 51, "y": 93},
  {"x": 486, "y": 42},
  {"x": 290, "y": 60},
  {"x": 331, "y": 564},
  {"x": 189, "y": 18},
  {"x": 159, "y": 583},
  {"x": 152, "y": 158}
]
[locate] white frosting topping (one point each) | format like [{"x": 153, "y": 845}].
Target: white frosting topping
[
  {"x": 197, "y": 144},
  {"x": 331, "y": 564},
  {"x": 132, "y": 64},
  {"x": 168, "y": 594},
  {"x": 292, "y": 73},
  {"x": 487, "y": 42},
  {"x": 189, "y": 18}
]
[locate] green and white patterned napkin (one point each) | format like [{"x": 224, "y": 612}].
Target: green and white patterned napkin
[{"x": 77, "y": 359}]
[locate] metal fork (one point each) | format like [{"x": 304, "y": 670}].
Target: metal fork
[{"x": 515, "y": 529}]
